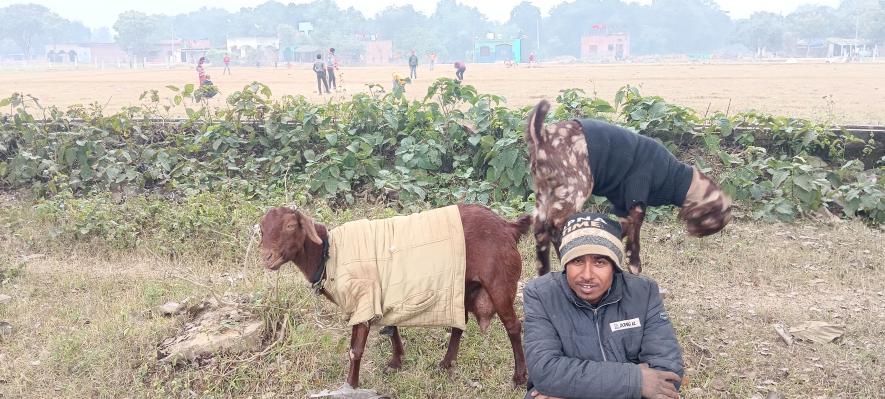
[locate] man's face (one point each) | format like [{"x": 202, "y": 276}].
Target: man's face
[{"x": 590, "y": 277}]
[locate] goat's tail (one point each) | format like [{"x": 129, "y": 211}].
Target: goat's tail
[
  {"x": 522, "y": 225},
  {"x": 536, "y": 122}
]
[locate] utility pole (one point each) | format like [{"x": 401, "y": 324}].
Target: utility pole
[{"x": 538, "y": 34}]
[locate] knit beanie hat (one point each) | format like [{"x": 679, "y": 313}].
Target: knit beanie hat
[{"x": 591, "y": 233}]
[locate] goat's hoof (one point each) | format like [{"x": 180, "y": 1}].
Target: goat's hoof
[
  {"x": 394, "y": 365},
  {"x": 520, "y": 380},
  {"x": 445, "y": 365},
  {"x": 386, "y": 330}
]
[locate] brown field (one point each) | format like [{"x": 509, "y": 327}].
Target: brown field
[{"x": 844, "y": 93}]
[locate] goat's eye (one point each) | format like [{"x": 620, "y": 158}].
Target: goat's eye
[{"x": 290, "y": 226}]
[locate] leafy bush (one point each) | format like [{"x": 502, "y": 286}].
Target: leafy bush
[{"x": 453, "y": 145}]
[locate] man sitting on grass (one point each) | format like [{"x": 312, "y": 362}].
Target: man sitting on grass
[{"x": 593, "y": 331}]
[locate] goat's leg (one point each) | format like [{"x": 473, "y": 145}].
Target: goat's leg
[
  {"x": 634, "y": 225},
  {"x": 396, "y": 359},
  {"x": 358, "y": 336},
  {"x": 542, "y": 246},
  {"x": 504, "y": 308},
  {"x": 452, "y": 351}
]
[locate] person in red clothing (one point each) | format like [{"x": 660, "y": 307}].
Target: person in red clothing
[
  {"x": 460, "y": 67},
  {"x": 201, "y": 71},
  {"x": 226, "y": 64}
]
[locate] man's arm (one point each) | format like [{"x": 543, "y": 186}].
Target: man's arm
[
  {"x": 554, "y": 374},
  {"x": 659, "y": 348}
]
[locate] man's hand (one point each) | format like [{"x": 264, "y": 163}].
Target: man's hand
[
  {"x": 658, "y": 384},
  {"x": 538, "y": 395}
]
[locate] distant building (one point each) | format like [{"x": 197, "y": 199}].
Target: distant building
[
  {"x": 848, "y": 48},
  {"x": 609, "y": 47},
  {"x": 164, "y": 52},
  {"x": 85, "y": 53},
  {"x": 811, "y": 48},
  {"x": 492, "y": 50},
  {"x": 254, "y": 49},
  {"x": 378, "y": 52},
  {"x": 185, "y": 51}
]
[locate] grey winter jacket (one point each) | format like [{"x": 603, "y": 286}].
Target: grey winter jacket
[{"x": 575, "y": 351}]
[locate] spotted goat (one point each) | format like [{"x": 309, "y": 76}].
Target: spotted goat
[{"x": 572, "y": 160}]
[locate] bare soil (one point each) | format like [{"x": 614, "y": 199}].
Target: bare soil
[{"x": 843, "y": 93}]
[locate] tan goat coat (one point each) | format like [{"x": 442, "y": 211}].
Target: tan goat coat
[{"x": 401, "y": 271}]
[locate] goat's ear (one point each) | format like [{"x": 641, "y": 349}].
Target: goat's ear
[
  {"x": 309, "y": 228},
  {"x": 536, "y": 121}
]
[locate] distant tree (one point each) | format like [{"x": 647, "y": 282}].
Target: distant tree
[
  {"x": 526, "y": 18},
  {"x": 762, "y": 31},
  {"x": 136, "y": 33},
  {"x": 101, "y": 35},
  {"x": 406, "y": 27},
  {"x": 25, "y": 24},
  {"x": 813, "y": 22},
  {"x": 689, "y": 26},
  {"x": 864, "y": 18},
  {"x": 456, "y": 27},
  {"x": 206, "y": 23},
  {"x": 71, "y": 32}
]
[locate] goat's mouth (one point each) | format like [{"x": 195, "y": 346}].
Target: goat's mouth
[{"x": 275, "y": 263}]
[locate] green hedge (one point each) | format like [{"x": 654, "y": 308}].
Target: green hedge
[{"x": 453, "y": 145}]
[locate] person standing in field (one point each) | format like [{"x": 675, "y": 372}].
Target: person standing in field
[
  {"x": 460, "y": 67},
  {"x": 226, "y": 64},
  {"x": 531, "y": 59},
  {"x": 201, "y": 71},
  {"x": 331, "y": 66},
  {"x": 432, "y": 60},
  {"x": 319, "y": 67},
  {"x": 413, "y": 66}
]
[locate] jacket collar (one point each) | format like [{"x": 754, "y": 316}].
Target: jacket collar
[{"x": 615, "y": 292}]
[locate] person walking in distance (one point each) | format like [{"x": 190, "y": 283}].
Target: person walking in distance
[
  {"x": 460, "y": 67},
  {"x": 331, "y": 67},
  {"x": 201, "y": 71},
  {"x": 319, "y": 67},
  {"x": 432, "y": 60},
  {"x": 413, "y": 66},
  {"x": 226, "y": 64}
]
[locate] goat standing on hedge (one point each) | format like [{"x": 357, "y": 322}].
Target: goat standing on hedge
[
  {"x": 371, "y": 277},
  {"x": 570, "y": 160}
]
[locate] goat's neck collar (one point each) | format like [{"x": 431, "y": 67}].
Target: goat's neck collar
[{"x": 319, "y": 276}]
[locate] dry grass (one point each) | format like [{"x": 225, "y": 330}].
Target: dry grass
[
  {"x": 82, "y": 330},
  {"x": 849, "y": 93}
]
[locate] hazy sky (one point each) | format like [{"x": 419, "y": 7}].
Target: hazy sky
[{"x": 95, "y": 13}]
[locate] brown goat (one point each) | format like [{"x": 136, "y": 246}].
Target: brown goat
[
  {"x": 561, "y": 158},
  {"x": 493, "y": 268}
]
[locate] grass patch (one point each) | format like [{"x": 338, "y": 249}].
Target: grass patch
[{"x": 82, "y": 326}]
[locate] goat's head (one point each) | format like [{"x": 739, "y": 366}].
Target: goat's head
[
  {"x": 707, "y": 209},
  {"x": 284, "y": 232}
]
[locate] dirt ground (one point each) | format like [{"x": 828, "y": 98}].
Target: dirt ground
[{"x": 844, "y": 93}]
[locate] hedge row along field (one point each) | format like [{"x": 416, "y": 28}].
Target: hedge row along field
[{"x": 454, "y": 145}]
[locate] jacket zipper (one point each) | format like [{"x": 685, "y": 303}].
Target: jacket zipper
[
  {"x": 596, "y": 323},
  {"x": 598, "y": 335}
]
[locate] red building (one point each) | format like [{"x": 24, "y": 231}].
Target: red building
[{"x": 611, "y": 47}]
